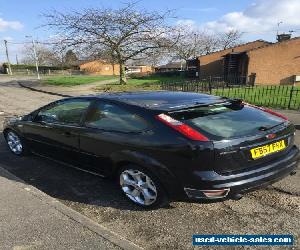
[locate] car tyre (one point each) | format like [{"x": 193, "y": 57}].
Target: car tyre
[
  {"x": 142, "y": 187},
  {"x": 16, "y": 143}
]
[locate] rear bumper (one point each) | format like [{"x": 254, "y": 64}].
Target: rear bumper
[{"x": 246, "y": 180}]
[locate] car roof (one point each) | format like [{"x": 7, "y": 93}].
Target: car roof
[{"x": 161, "y": 100}]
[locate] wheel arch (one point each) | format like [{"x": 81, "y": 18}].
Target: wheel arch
[
  {"x": 5, "y": 131},
  {"x": 167, "y": 179}
]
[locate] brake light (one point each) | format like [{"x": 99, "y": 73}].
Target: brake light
[
  {"x": 268, "y": 111},
  {"x": 184, "y": 129}
]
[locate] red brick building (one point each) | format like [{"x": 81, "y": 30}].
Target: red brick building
[
  {"x": 100, "y": 67},
  {"x": 271, "y": 63}
]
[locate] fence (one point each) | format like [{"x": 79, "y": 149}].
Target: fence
[
  {"x": 46, "y": 72},
  {"x": 271, "y": 96}
]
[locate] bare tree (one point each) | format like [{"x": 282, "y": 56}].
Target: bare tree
[
  {"x": 194, "y": 42},
  {"x": 229, "y": 39},
  {"x": 189, "y": 44},
  {"x": 209, "y": 43},
  {"x": 154, "y": 57},
  {"x": 126, "y": 32},
  {"x": 45, "y": 55}
]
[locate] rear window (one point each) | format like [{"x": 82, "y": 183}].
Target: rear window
[{"x": 221, "y": 121}]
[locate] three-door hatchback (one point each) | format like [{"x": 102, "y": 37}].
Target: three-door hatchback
[{"x": 162, "y": 145}]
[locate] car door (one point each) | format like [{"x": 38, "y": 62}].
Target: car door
[
  {"x": 54, "y": 131},
  {"x": 108, "y": 128}
]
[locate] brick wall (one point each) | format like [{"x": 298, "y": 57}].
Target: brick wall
[
  {"x": 146, "y": 69},
  {"x": 275, "y": 64},
  {"x": 212, "y": 64},
  {"x": 100, "y": 68}
]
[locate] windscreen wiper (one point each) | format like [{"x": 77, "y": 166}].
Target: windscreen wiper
[{"x": 264, "y": 128}]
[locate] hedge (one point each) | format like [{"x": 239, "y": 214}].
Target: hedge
[{"x": 33, "y": 67}]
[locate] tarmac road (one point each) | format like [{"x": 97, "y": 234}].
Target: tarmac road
[{"x": 268, "y": 211}]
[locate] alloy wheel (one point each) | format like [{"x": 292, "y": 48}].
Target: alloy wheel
[
  {"x": 138, "y": 187},
  {"x": 14, "y": 143}
]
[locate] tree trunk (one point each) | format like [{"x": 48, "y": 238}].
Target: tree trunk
[
  {"x": 113, "y": 68},
  {"x": 123, "y": 79}
]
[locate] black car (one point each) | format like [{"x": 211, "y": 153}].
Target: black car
[{"x": 162, "y": 145}]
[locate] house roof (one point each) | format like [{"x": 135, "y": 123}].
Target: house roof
[
  {"x": 137, "y": 66},
  {"x": 81, "y": 62},
  {"x": 267, "y": 45},
  {"x": 275, "y": 44},
  {"x": 240, "y": 45},
  {"x": 171, "y": 65},
  {"x": 235, "y": 53}
]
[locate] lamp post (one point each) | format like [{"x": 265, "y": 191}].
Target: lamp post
[
  {"x": 195, "y": 44},
  {"x": 278, "y": 27},
  {"x": 7, "y": 57}
]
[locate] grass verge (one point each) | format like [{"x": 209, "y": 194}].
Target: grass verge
[
  {"x": 269, "y": 96},
  {"x": 135, "y": 82},
  {"x": 70, "y": 81},
  {"x": 142, "y": 83},
  {"x": 128, "y": 87}
]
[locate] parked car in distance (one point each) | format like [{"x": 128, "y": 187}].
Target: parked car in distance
[{"x": 162, "y": 145}]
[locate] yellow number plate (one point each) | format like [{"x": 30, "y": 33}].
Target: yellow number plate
[{"x": 267, "y": 149}]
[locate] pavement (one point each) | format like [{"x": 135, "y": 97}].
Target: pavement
[
  {"x": 273, "y": 210},
  {"x": 31, "y": 219}
]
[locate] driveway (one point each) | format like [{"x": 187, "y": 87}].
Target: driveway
[{"x": 269, "y": 211}]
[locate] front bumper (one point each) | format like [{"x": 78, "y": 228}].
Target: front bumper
[{"x": 246, "y": 180}]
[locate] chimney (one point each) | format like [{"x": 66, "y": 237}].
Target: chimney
[{"x": 283, "y": 37}]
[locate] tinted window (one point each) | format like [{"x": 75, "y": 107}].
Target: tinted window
[
  {"x": 226, "y": 121},
  {"x": 111, "y": 117},
  {"x": 68, "y": 112}
]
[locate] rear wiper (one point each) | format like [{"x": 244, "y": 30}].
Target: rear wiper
[{"x": 264, "y": 128}]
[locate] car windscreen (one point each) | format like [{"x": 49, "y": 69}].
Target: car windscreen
[{"x": 223, "y": 121}]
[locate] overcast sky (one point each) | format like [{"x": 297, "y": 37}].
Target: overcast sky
[{"x": 256, "y": 18}]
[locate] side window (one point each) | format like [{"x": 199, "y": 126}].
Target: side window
[
  {"x": 68, "y": 112},
  {"x": 111, "y": 117}
]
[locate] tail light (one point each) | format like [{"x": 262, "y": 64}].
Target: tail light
[
  {"x": 184, "y": 129},
  {"x": 268, "y": 111}
]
